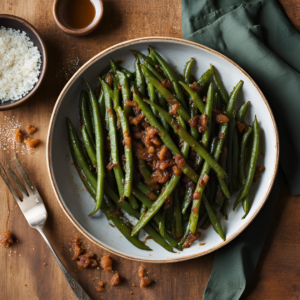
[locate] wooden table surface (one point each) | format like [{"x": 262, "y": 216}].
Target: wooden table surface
[{"x": 23, "y": 273}]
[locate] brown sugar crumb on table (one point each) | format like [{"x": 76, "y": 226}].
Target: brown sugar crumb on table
[
  {"x": 77, "y": 248},
  {"x": 106, "y": 263},
  {"x": 100, "y": 287},
  {"x": 86, "y": 260},
  {"x": 30, "y": 129},
  {"x": 6, "y": 239},
  {"x": 141, "y": 271},
  {"x": 18, "y": 136},
  {"x": 31, "y": 143},
  {"x": 115, "y": 279},
  {"x": 145, "y": 281}
]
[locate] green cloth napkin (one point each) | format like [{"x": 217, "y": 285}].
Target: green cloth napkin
[{"x": 259, "y": 37}]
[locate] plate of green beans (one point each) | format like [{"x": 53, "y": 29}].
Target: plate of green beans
[{"x": 161, "y": 149}]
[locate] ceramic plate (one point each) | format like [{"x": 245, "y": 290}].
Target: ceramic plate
[{"x": 75, "y": 200}]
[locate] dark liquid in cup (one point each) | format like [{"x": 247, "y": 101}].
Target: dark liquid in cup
[{"x": 78, "y": 14}]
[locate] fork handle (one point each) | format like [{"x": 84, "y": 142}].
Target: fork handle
[{"x": 74, "y": 285}]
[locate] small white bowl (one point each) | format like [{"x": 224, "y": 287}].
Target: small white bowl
[{"x": 76, "y": 202}]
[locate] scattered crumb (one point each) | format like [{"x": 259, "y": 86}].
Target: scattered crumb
[
  {"x": 106, "y": 262},
  {"x": 115, "y": 279},
  {"x": 131, "y": 293},
  {"x": 31, "y": 143},
  {"x": 45, "y": 264},
  {"x": 30, "y": 129},
  {"x": 6, "y": 239},
  {"x": 134, "y": 285}
]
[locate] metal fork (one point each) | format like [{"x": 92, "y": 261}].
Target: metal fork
[{"x": 35, "y": 213}]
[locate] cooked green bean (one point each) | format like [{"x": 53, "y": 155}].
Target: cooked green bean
[
  {"x": 191, "y": 141},
  {"x": 203, "y": 80},
  {"x": 101, "y": 104},
  {"x": 187, "y": 71},
  {"x": 177, "y": 214},
  {"x": 167, "y": 140},
  {"x": 157, "y": 204},
  {"x": 197, "y": 100},
  {"x": 105, "y": 71},
  {"x": 99, "y": 139},
  {"x": 123, "y": 80},
  {"x": 223, "y": 94},
  {"x": 115, "y": 160},
  {"x": 235, "y": 161},
  {"x": 143, "y": 168},
  {"x": 199, "y": 192},
  {"x": 171, "y": 76},
  {"x": 166, "y": 93},
  {"x": 89, "y": 146},
  {"x": 254, "y": 154},
  {"x": 85, "y": 115},
  {"x": 242, "y": 112},
  {"x": 128, "y": 152},
  {"x": 188, "y": 197},
  {"x": 244, "y": 140},
  {"x": 213, "y": 219},
  {"x": 245, "y": 203},
  {"x": 139, "y": 78},
  {"x": 162, "y": 223},
  {"x": 224, "y": 208}
]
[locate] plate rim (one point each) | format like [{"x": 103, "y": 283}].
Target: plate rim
[{"x": 49, "y": 135}]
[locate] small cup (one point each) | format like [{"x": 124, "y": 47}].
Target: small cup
[{"x": 58, "y": 7}]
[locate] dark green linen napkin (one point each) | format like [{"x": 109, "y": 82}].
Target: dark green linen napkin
[{"x": 259, "y": 37}]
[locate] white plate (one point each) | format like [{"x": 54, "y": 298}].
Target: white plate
[{"x": 77, "y": 203}]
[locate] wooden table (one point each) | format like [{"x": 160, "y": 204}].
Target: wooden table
[{"x": 23, "y": 273}]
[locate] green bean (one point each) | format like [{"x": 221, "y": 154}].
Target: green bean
[
  {"x": 143, "y": 168},
  {"x": 123, "y": 80},
  {"x": 128, "y": 74},
  {"x": 89, "y": 146},
  {"x": 167, "y": 140},
  {"x": 213, "y": 219},
  {"x": 188, "y": 197},
  {"x": 190, "y": 140},
  {"x": 224, "y": 208},
  {"x": 235, "y": 161},
  {"x": 110, "y": 215},
  {"x": 101, "y": 104},
  {"x": 199, "y": 191},
  {"x": 203, "y": 80},
  {"x": 184, "y": 237},
  {"x": 244, "y": 140},
  {"x": 197, "y": 100},
  {"x": 188, "y": 70},
  {"x": 242, "y": 112},
  {"x": 128, "y": 152},
  {"x": 157, "y": 204},
  {"x": 162, "y": 227},
  {"x": 145, "y": 189},
  {"x": 223, "y": 94},
  {"x": 245, "y": 202},
  {"x": 152, "y": 69},
  {"x": 99, "y": 139},
  {"x": 224, "y": 187},
  {"x": 85, "y": 115},
  {"x": 254, "y": 154},
  {"x": 157, "y": 218},
  {"x": 119, "y": 175},
  {"x": 162, "y": 102},
  {"x": 166, "y": 93},
  {"x": 140, "y": 79},
  {"x": 171, "y": 76},
  {"x": 152, "y": 55},
  {"x": 143, "y": 58},
  {"x": 143, "y": 210},
  {"x": 114, "y": 67},
  {"x": 116, "y": 93},
  {"x": 177, "y": 214}
]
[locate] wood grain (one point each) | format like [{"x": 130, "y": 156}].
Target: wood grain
[{"x": 23, "y": 274}]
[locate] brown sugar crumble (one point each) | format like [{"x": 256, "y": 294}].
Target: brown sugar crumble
[
  {"x": 6, "y": 239},
  {"x": 18, "y": 136},
  {"x": 115, "y": 279},
  {"x": 100, "y": 287},
  {"x": 145, "y": 281},
  {"x": 30, "y": 129},
  {"x": 141, "y": 271},
  {"x": 31, "y": 143},
  {"x": 77, "y": 248},
  {"x": 106, "y": 263}
]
